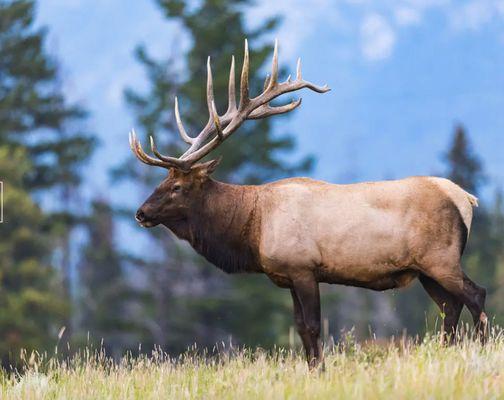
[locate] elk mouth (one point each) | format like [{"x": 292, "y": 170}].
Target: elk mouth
[{"x": 147, "y": 224}]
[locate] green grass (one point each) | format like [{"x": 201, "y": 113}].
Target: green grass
[{"x": 400, "y": 370}]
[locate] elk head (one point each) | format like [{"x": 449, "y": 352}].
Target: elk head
[
  {"x": 184, "y": 187},
  {"x": 178, "y": 194}
]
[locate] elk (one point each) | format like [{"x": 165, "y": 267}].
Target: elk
[{"x": 301, "y": 232}]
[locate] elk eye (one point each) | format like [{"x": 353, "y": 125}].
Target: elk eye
[{"x": 176, "y": 188}]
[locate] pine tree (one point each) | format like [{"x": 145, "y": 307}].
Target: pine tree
[
  {"x": 463, "y": 166},
  {"x": 33, "y": 110},
  {"x": 35, "y": 116},
  {"x": 31, "y": 302},
  {"x": 204, "y": 305}
]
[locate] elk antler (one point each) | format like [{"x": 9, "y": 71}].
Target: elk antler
[{"x": 223, "y": 126}]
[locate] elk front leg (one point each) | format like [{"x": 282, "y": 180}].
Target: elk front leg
[
  {"x": 305, "y": 293},
  {"x": 301, "y": 328}
]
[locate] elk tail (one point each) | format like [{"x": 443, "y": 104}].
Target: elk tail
[{"x": 472, "y": 199}]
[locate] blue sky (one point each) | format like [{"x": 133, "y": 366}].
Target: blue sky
[{"x": 402, "y": 74}]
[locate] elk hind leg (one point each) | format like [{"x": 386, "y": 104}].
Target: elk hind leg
[
  {"x": 465, "y": 290},
  {"x": 476, "y": 305}
]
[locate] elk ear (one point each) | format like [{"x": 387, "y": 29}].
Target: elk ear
[{"x": 207, "y": 168}]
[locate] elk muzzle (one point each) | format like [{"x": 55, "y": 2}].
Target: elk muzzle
[{"x": 143, "y": 217}]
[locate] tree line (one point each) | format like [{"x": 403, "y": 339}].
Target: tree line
[{"x": 120, "y": 299}]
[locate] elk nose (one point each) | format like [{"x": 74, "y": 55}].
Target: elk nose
[{"x": 140, "y": 216}]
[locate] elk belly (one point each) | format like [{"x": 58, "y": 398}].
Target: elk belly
[{"x": 369, "y": 250}]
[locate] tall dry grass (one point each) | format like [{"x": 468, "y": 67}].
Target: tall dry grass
[{"x": 393, "y": 370}]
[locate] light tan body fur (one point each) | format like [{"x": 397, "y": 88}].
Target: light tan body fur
[{"x": 375, "y": 235}]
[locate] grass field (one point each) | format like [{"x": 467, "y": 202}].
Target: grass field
[{"x": 400, "y": 370}]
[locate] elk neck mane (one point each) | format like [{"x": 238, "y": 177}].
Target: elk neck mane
[{"x": 224, "y": 227}]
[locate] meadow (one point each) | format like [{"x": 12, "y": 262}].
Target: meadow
[{"x": 402, "y": 369}]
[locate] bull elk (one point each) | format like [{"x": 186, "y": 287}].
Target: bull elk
[{"x": 300, "y": 231}]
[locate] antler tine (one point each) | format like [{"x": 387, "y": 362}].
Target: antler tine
[
  {"x": 231, "y": 88},
  {"x": 138, "y": 151},
  {"x": 298, "y": 70},
  {"x": 267, "y": 110},
  {"x": 211, "y": 127},
  {"x": 210, "y": 93},
  {"x": 244, "y": 83},
  {"x": 136, "y": 147},
  {"x": 266, "y": 82},
  {"x": 274, "y": 68},
  {"x": 212, "y": 112},
  {"x": 131, "y": 141},
  {"x": 185, "y": 137},
  {"x": 157, "y": 153},
  {"x": 315, "y": 88},
  {"x": 164, "y": 161}
]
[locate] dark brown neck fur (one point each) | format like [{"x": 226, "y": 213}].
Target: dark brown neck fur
[{"x": 224, "y": 227}]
